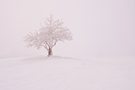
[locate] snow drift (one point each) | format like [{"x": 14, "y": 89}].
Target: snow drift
[{"x": 61, "y": 73}]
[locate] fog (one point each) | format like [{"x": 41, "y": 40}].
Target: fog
[{"x": 99, "y": 27}]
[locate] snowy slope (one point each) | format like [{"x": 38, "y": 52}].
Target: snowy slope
[{"x": 60, "y": 73}]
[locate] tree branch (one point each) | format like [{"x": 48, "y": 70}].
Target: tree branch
[{"x": 54, "y": 43}]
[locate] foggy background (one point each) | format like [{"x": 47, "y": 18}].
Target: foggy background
[{"x": 99, "y": 27}]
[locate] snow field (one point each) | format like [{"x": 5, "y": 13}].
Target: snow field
[{"x": 59, "y": 73}]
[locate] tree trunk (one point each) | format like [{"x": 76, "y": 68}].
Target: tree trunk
[{"x": 50, "y": 53}]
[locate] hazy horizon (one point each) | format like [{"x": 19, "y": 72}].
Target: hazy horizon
[{"x": 99, "y": 27}]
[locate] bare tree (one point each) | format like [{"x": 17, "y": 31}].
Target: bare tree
[{"x": 48, "y": 35}]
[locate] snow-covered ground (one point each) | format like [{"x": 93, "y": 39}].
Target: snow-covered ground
[{"x": 61, "y": 73}]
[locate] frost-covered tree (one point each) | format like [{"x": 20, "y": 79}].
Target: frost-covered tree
[{"x": 48, "y": 35}]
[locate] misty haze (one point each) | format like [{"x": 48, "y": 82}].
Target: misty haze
[{"x": 100, "y": 56}]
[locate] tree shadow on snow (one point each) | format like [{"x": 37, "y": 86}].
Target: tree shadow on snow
[{"x": 45, "y": 58}]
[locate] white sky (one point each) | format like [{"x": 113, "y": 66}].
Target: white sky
[{"x": 99, "y": 27}]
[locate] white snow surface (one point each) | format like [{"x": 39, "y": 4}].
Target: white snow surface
[{"x": 63, "y": 73}]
